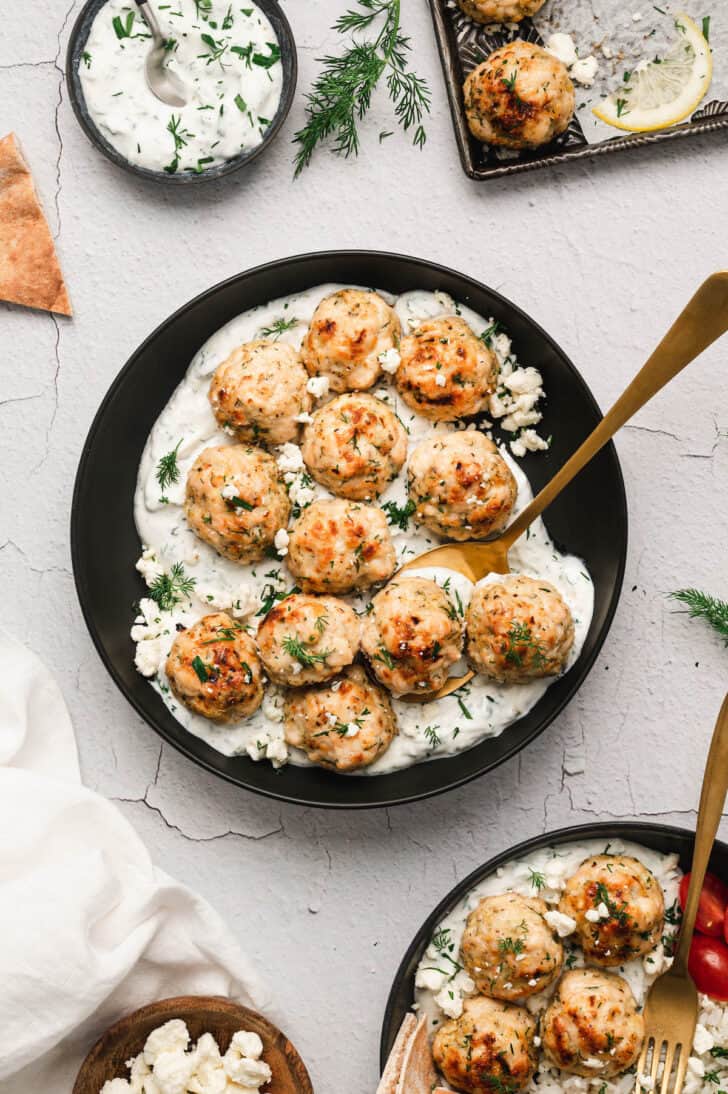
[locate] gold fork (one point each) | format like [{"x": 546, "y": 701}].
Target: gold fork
[
  {"x": 671, "y": 1010},
  {"x": 701, "y": 322}
]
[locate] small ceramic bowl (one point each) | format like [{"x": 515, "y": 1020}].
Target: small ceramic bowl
[
  {"x": 76, "y": 47},
  {"x": 203, "y": 1014}
]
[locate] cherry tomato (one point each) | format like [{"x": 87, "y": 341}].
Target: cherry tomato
[
  {"x": 708, "y": 965},
  {"x": 712, "y": 906}
]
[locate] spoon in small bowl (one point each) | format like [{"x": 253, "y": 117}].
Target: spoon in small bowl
[
  {"x": 700, "y": 323},
  {"x": 163, "y": 83}
]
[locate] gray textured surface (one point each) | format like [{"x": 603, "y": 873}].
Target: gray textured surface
[{"x": 603, "y": 255}]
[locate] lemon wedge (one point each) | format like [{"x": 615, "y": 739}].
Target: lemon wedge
[{"x": 664, "y": 91}]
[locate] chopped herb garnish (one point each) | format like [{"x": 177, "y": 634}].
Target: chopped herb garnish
[
  {"x": 168, "y": 468},
  {"x": 200, "y": 668},
  {"x": 399, "y": 515},
  {"x": 537, "y": 879},
  {"x": 297, "y": 649},
  {"x": 279, "y": 327},
  {"x": 431, "y": 736},
  {"x": 169, "y": 589}
]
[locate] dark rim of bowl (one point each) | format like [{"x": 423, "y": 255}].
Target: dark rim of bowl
[
  {"x": 76, "y": 43},
  {"x": 634, "y": 831},
  {"x": 580, "y": 669}
]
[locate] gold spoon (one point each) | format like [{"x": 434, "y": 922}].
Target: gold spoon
[{"x": 700, "y": 323}]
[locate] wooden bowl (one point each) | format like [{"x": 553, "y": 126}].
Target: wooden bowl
[{"x": 202, "y": 1014}]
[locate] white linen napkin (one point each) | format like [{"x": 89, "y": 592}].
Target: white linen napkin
[{"x": 89, "y": 928}]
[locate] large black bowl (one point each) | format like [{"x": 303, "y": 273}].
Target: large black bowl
[
  {"x": 590, "y": 519},
  {"x": 659, "y": 837},
  {"x": 74, "y": 59}
]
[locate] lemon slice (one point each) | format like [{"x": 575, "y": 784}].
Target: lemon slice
[{"x": 666, "y": 90}]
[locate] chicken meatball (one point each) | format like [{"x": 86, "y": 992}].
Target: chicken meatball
[
  {"x": 259, "y": 392},
  {"x": 520, "y": 97},
  {"x": 355, "y": 446},
  {"x": 618, "y": 906},
  {"x": 446, "y": 371},
  {"x": 308, "y": 639},
  {"x": 461, "y": 486},
  {"x": 489, "y": 1047},
  {"x": 214, "y": 670},
  {"x": 412, "y": 635},
  {"x": 592, "y": 1026},
  {"x": 508, "y": 948},
  {"x": 346, "y": 724},
  {"x": 337, "y": 546},
  {"x": 518, "y": 628},
  {"x": 500, "y": 11},
  {"x": 236, "y": 501},
  {"x": 349, "y": 332}
]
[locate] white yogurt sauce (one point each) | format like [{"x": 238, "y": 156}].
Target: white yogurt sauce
[
  {"x": 426, "y": 731},
  {"x": 229, "y": 58},
  {"x": 441, "y": 986}
]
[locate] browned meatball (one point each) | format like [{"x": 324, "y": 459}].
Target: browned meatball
[
  {"x": 619, "y": 908},
  {"x": 337, "y": 546},
  {"x": 259, "y": 392},
  {"x": 308, "y": 639},
  {"x": 518, "y": 628},
  {"x": 508, "y": 948},
  {"x": 461, "y": 485},
  {"x": 236, "y": 501},
  {"x": 346, "y": 724},
  {"x": 446, "y": 372},
  {"x": 349, "y": 332},
  {"x": 213, "y": 668},
  {"x": 412, "y": 635},
  {"x": 500, "y": 11},
  {"x": 488, "y": 1048},
  {"x": 520, "y": 97},
  {"x": 592, "y": 1027},
  {"x": 355, "y": 446}
]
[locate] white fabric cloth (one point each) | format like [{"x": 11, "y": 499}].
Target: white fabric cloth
[{"x": 89, "y": 928}]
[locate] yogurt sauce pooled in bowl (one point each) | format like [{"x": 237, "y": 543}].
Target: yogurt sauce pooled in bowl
[{"x": 228, "y": 57}]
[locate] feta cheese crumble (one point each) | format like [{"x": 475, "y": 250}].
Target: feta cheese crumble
[
  {"x": 390, "y": 360},
  {"x": 318, "y": 386}
]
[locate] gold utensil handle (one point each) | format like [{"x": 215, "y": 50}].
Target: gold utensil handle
[
  {"x": 703, "y": 320},
  {"x": 710, "y": 811}
]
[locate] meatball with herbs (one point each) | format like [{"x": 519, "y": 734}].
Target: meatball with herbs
[
  {"x": 355, "y": 446},
  {"x": 259, "y": 393},
  {"x": 500, "y": 11},
  {"x": 461, "y": 486},
  {"x": 346, "y": 724},
  {"x": 592, "y": 1026},
  {"x": 236, "y": 501},
  {"x": 518, "y": 628},
  {"x": 520, "y": 97},
  {"x": 490, "y": 1047},
  {"x": 308, "y": 639},
  {"x": 213, "y": 668},
  {"x": 412, "y": 635},
  {"x": 349, "y": 333},
  {"x": 619, "y": 908},
  {"x": 336, "y": 546},
  {"x": 446, "y": 372},
  {"x": 508, "y": 948}
]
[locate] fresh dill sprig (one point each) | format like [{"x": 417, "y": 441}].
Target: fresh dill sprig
[
  {"x": 297, "y": 649},
  {"x": 342, "y": 92},
  {"x": 278, "y": 327},
  {"x": 702, "y": 605},
  {"x": 168, "y": 468},
  {"x": 521, "y": 642},
  {"x": 399, "y": 515},
  {"x": 169, "y": 589}
]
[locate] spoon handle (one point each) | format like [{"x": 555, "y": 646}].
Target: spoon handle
[
  {"x": 150, "y": 18},
  {"x": 712, "y": 800},
  {"x": 699, "y": 324}
]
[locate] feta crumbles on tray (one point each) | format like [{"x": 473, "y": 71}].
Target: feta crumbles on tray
[
  {"x": 170, "y": 1064},
  {"x": 575, "y": 889},
  {"x": 202, "y": 516}
]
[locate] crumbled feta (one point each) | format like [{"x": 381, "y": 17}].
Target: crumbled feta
[
  {"x": 300, "y": 493},
  {"x": 173, "y": 1071},
  {"x": 429, "y": 979},
  {"x": 564, "y": 925},
  {"x": 230, "y": 491},
  {"x": 562, "y": 46},
  {"x": 246, "y": 600},
  {"x": 389, "y": 360},
  {"x": 592, "y": 914},
  {"x": 147, "y": 657},
  {"x": 696, "y": 1067},
  {"x": 304, "y": 418},
  {"x": 116, "y": 1086},
  {"x": 277, "y": 752},
  {"x": 166, "y": 1066},
  {"x": 272, "y": 705},
  {"x": 248, "y": 1044},
  {"x": 440, "y": 380},
  {"x": 603, "y": 910},
  {"x": 149, "y": 566},
  {"x": 280, "y": 542},
  {"x": 528, "y": 441},
  {"x": 646, "y": 1082},
  {"x": 523, "y": 380},
  {"x": 243, "y": 1064},
  {"x": 584, "y": 71},
  {"x": 173, "y": 1035},
  {"x": 318, "y": 386},
  {"x": 703, "y": 1041},
  {"x": 290, "y": 458},
  {"x": 352, "y": 729}
]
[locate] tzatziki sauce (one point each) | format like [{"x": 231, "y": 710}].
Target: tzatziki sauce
[
  {"x": 227, "y": 55},
  {"x": 187, "y": 425}
]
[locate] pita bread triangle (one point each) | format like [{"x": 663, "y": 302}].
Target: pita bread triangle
[
  {"x": 409, "y": 1068},
  {"x": 30, "y": 273}
]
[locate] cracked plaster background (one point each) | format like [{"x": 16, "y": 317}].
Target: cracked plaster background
[{"x": 603, "y": 255}]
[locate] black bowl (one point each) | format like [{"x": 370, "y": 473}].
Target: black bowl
[
  {"x": 590, "y": 519},
  {"x": 289, "y": 60},
  {"x": 658, "y": 837}
]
